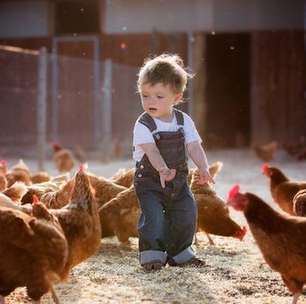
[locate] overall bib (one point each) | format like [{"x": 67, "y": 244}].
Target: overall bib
[{"x": 167, "y": 223}]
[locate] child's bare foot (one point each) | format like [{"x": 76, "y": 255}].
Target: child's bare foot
[{"x": 153, "y": 266}]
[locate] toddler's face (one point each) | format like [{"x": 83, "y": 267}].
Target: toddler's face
[{"x": 158, "y": 100}]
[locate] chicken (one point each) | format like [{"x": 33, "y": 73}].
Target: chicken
[
  {"x": 266, "y": 152},
  {"x": 120, "y": 215},
  {"x": 6, "y": 202},
  {"x": 3, "y": 182},
  {"x": 3, "y": 172},
  {"x": 282, "y": 188},
  {"x": 60, "y": 198},
  {"x": 105, "y": 189},
  {"x": 280, "y": 237},
  {"x": 213, "y": 214},
  {"x": 40, "y": 177},
  {"x": 39, "y": 190},
  {"x": 55, "y": 197},
  {"x": 20, "y": 172},
  {"x": 16, "y": 191},
  {"x": 299, "y": 203},
  {"x": 80, "y": 222},
  {"x": 79, "y": 219},
  {"x": 124, "y": 177},
  {"x": 55, "y": 184},
  {"x": 33, "y": 251},
  {"x": 63, "y": 158}
]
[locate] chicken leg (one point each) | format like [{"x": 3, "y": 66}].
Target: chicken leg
[
  {"x": 54, "y": 296},
  {"x": 295, "y": 297},
  {"x": 2, "y": 301},
  {"x": 211, "y": 242}
]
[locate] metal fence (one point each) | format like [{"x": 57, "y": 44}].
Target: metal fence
[{"x": 77, "y": 102}]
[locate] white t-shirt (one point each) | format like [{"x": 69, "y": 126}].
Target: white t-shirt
[{"x": 142, "y": 135}]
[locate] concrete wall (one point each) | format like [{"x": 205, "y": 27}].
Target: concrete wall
[
  {"x": 138, "y": 16},
  {"x": 34, "y": 18}
]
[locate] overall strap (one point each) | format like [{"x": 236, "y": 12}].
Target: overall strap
[
  {"x": 148, "y": 121},
  {"x": 179, "y": 117}
]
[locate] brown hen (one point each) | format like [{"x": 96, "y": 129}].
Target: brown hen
[
  {"x": 33, "y": 251},
  {"x": 63, "y": 158},
  {"x": 213, "y": 213},
  {"x": 280, "y": 237},
  {"x": 267, "y": 151},
  {"x": 282, "y": 188}
]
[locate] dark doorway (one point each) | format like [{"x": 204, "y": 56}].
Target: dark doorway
[
  {"x": 228, "y": 90},
  {"x": 77, "y": 16}
]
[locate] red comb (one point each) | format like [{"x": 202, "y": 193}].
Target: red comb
[
  {"x": 265, "y": 167},
  {"x": 35, "y": 199},
  {"x": 82, "y": 168},
  {"x": 56, "y": 146},
  {"x": 233, "y": 192},
  {"x": 3, "y": 162}
]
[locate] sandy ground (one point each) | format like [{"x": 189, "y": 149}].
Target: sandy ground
[{"x": 235, "y": 271}]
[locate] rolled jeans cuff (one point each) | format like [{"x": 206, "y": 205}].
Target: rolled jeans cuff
[
  {"x": 184, "y": 255},
  {"x": 148, "y": 256}
]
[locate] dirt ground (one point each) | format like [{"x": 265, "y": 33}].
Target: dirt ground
[{"x": 235, "y": 271}]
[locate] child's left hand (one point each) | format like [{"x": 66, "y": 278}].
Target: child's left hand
[{"x": 203, "y": 177}]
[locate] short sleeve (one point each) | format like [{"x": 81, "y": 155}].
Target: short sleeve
[
  {"x": 141, "y": 135},
  {"x": 191, "y": 133}
]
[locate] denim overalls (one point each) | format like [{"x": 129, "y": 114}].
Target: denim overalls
[{"x": 167, "y": 223}]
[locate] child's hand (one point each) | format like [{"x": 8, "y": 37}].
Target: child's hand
[
  {"x": 166, "y": 175},
  {"x": 202, "y": 177}
]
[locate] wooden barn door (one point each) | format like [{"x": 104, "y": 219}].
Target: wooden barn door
[{"x": 75, "y": 91}]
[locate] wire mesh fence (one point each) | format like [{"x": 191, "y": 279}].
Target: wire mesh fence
[{"x": 89, "y": 104}]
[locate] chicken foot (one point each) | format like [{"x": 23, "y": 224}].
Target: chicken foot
[
  {"x": 195, "y": 240},
  {"x": 295, "y": 297},
  {"x": 211, "y": 242},
  {"x": 54, "y": 296}
]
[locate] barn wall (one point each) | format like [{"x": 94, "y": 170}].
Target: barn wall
[
  {"x": 141, "y": 16},
  {"x": 278, "y": 83}
]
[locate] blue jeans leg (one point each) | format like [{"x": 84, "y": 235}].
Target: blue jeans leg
[
  {"x": 182, "y": 213},
  {"x": 151, "y": 227}
]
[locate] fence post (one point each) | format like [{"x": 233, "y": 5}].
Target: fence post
[
  {"x": 41, "y": 107},
  {"x": 97, "y": 94},
  {"x": 107, "y": 110},
  {"x": 191, "y": 66},
  {"x": 55, "y": 95}
]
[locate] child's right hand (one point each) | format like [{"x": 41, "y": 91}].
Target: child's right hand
[{"x": 166, "y": 175}]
